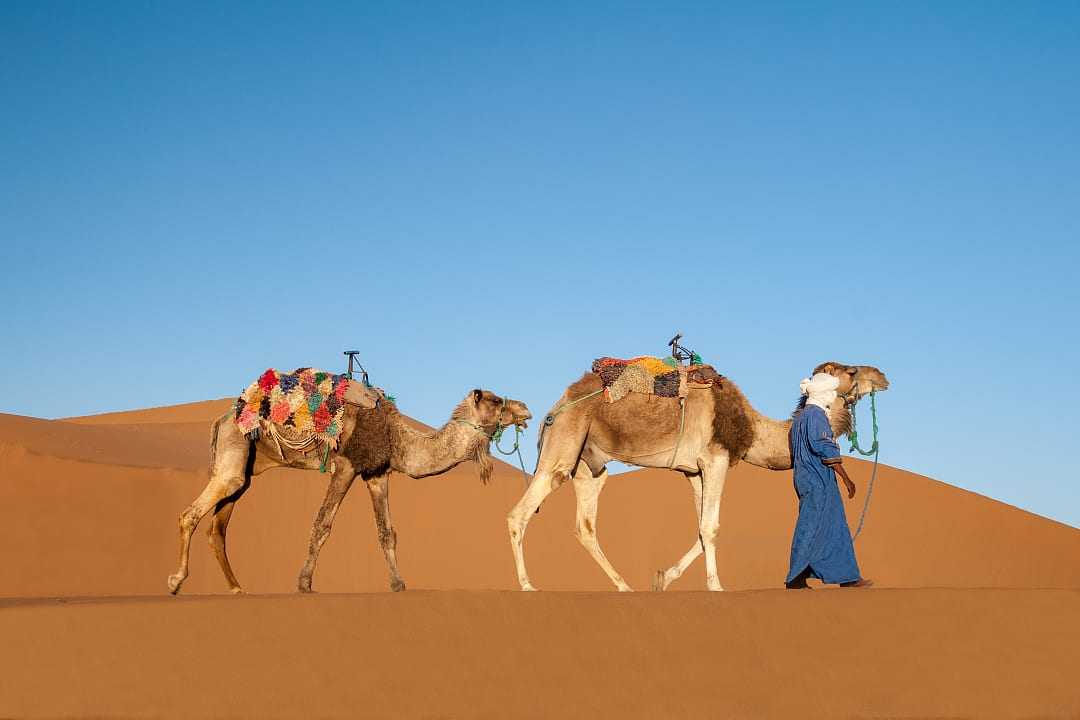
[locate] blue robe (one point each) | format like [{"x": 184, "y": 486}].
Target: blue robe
[{"x": 822, "y": 541}]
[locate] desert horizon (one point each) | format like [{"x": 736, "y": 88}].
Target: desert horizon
[{"x": 975, "y": 604}]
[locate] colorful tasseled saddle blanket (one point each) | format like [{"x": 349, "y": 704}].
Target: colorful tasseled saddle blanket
[
  {"x": 651, "y": 376},
  {"x": 306, "y": 400}
]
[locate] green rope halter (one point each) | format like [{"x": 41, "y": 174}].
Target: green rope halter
[
  {"x": 853, "y": 436},
  {"x": 496, "y": 436}
]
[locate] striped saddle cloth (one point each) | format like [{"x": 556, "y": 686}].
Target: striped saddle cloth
[{"x": 649, "y": 375}]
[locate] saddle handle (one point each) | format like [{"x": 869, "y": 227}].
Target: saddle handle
[
  {"x": 351, "y": 354},
  {"x": 680, "y": 353}
]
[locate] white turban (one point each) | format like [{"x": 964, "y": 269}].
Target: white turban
[{"x": 820, "y": 389}]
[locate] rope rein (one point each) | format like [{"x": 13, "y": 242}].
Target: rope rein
[
  {"x": 551, "y": 416},
  {"x": 853, "y": 436},
  {"x": 516, "y": 449},
  {"x": 549, "y": 419},
  {"x": 875, "y": 449},
  {"x": 496, "y": 435}
]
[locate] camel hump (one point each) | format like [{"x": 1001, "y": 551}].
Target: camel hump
[
  {"x": 663, "y": 377},
  {"x": 358, "y": 394},
  {"x": 703, "y": 376},
  {"x": 306, "y": 402}
]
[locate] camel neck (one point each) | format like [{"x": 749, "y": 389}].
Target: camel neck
[
  {"x": 770, "y": 449},
  {"x": 419, "y": 454}
]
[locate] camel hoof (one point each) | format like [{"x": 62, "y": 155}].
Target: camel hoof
[
  {"x": 397, "y": 585},
  {"x": 625, "y": 588},
  {"x": 237, "y": 590},
  {"x": 175, "y": 581},
  {"x": 304, "y": 585},
  {"x": 528, "y": 587}
]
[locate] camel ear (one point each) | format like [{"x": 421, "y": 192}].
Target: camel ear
[{"x": 477, "y": 395}]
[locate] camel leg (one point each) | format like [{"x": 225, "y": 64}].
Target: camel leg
[
  {"x": 216, "y": 535},
  {"x": 217, "y": 490},
  {"x": 543, "y": 483},
  {"x": 713, "y": 476},
  {"x": 339, "y": 485},
  {"x": 232, "y": 456},
  {"x": 379, "y": 488},
  {"x": 664, "y": 578},
  {"x": 588, "y": 487}
]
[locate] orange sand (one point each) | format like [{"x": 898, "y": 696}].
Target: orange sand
[{"x": 88, "y": 507}]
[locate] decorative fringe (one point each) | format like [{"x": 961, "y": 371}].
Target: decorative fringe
[{"x": 307, "y": 401}]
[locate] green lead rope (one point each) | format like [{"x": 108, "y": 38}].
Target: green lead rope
[
  {"x": 874, "y": 450},
  {"x": 853, "y": 436},
  {"x": 516, "y": 449}
]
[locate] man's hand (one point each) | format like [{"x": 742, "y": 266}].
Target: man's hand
[
  {"x": 837, "y": 464},
  {"x": 847, "y": 481}
]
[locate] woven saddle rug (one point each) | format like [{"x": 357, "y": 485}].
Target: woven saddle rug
[
  {"x": 304, "y": 404},
  {"x": 651, "y": 376}
]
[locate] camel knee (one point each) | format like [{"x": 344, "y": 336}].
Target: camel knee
[
  {"x": 189, "y": 519},
  {"x": 387, "y": 538},
  {"x": 516, "y": 523},
  {"x": 515, "y": 520},
  {"x": 585, "y": 532}
]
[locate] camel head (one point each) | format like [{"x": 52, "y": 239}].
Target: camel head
[
  {"x": 855, "y": 380},
  {"x": 519, "y": 413},
  {"x": 490, "y": 412}
]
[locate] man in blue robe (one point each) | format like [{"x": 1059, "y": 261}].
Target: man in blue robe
[{"x": 821, "y": 547}]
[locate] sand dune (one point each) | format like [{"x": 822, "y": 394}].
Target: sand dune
[
  {"x": 876, "y": 653},
  {"x": 88, "y": 507},
  {"x": 202, "y": 411}
]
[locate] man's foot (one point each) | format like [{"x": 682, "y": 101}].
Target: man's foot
[
  {"x": 799, "y": 581},
  {"x": 860, "y": 583}
]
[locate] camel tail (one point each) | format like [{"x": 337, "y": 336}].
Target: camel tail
[{"x": 213, "y": 442}]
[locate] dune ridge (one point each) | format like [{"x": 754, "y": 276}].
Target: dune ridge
[
  {"x": 80, "y": 499},
  {"x": 976, "y": 613}
]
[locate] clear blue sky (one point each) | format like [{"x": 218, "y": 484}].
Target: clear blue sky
[{"x": 494, "y": 195}]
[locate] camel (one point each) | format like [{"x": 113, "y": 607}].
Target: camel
[
  {"x": 375, "y": 439},
  {"x": 582, "y": 434}
]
